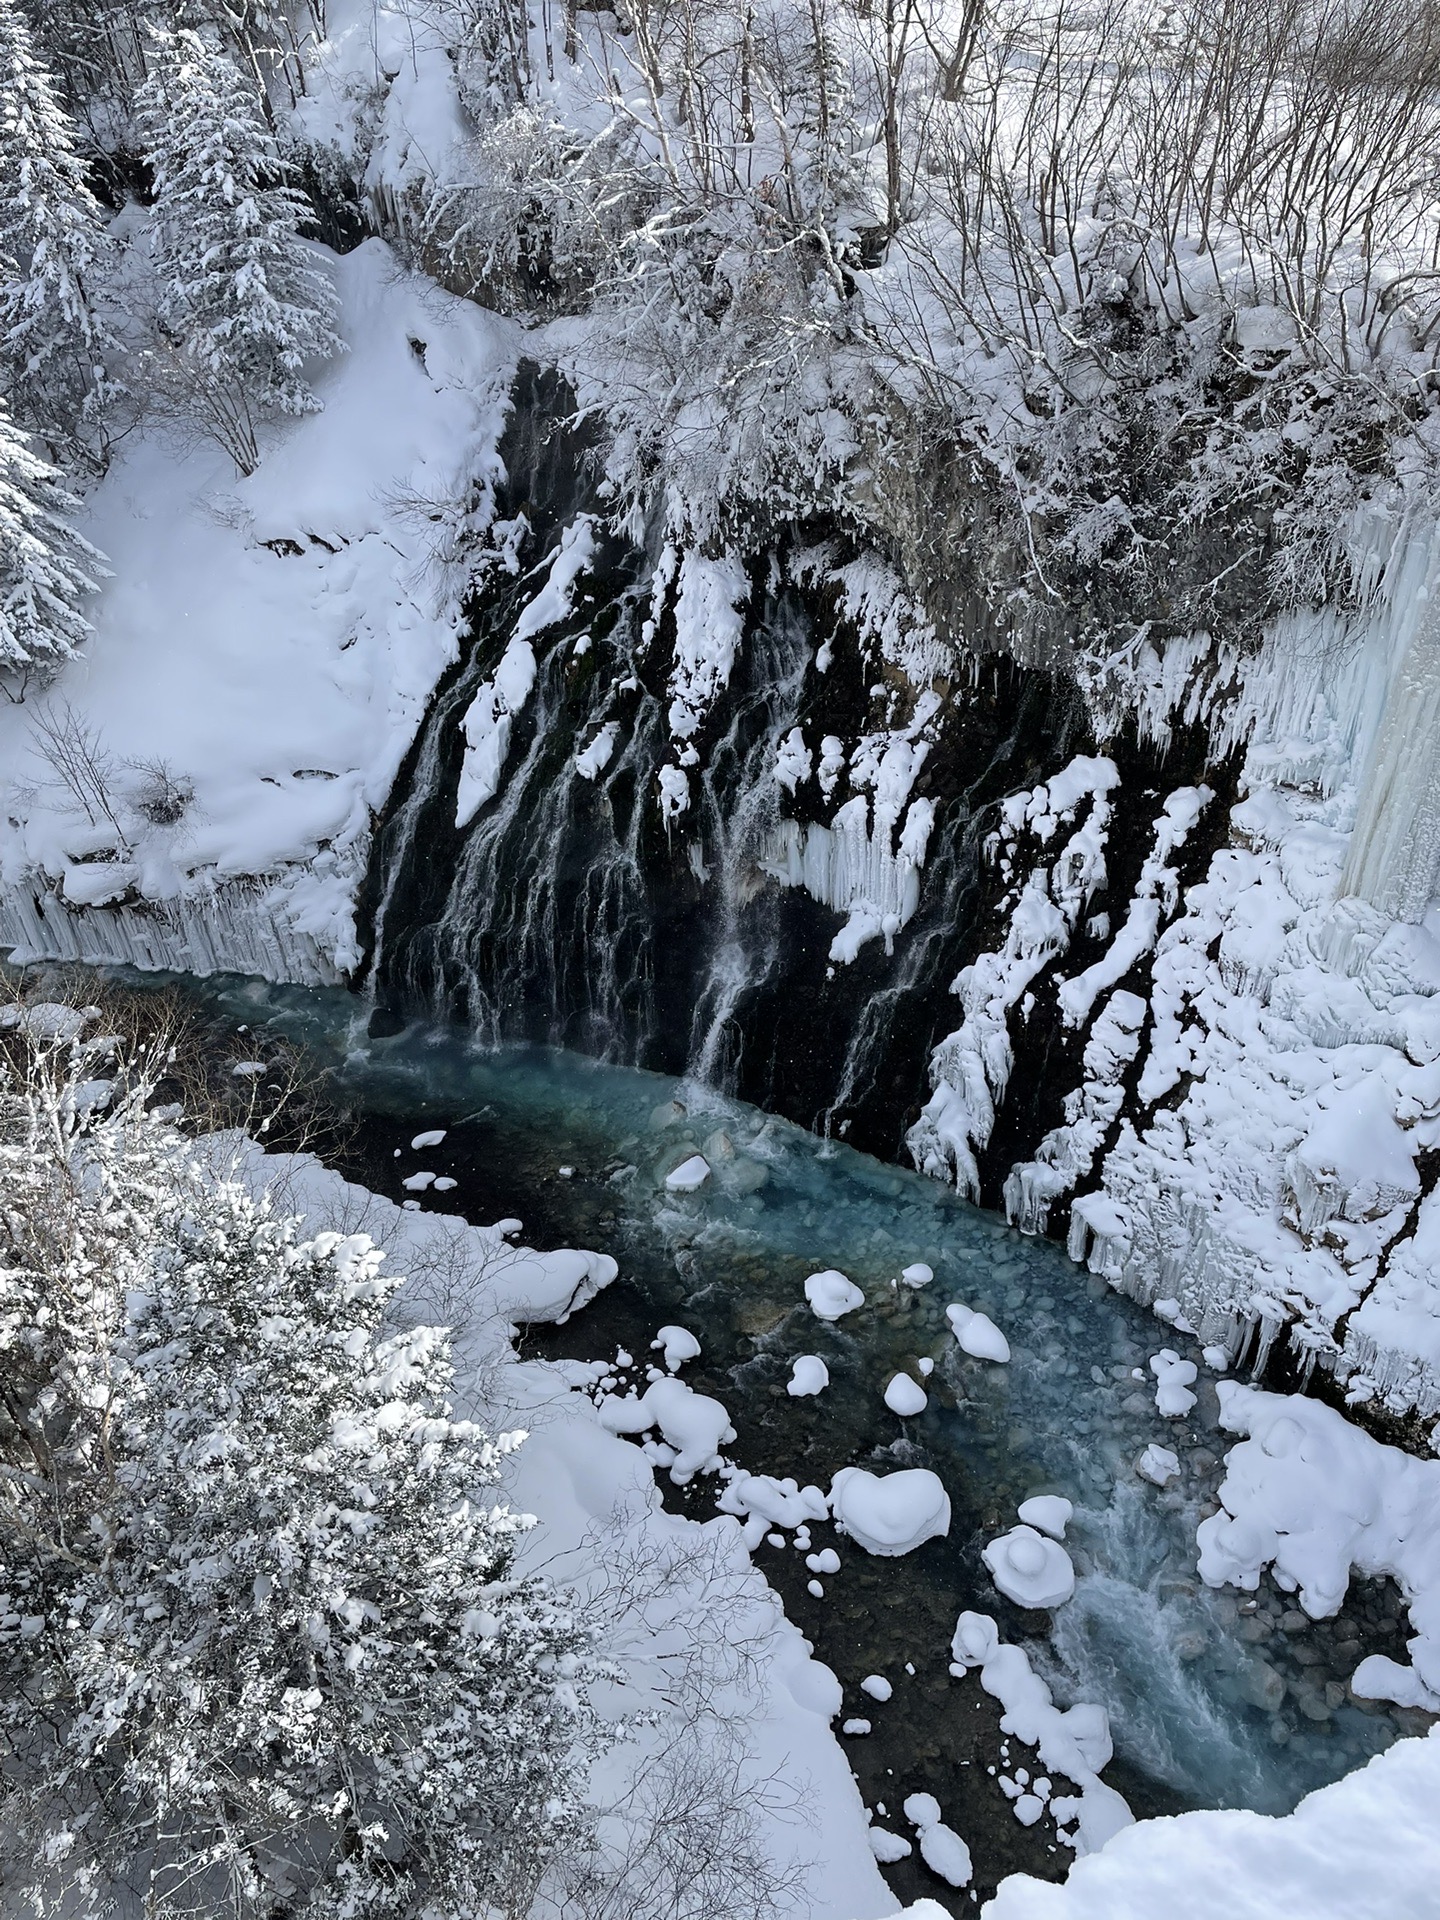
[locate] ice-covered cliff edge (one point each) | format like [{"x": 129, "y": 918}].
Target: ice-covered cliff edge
[{"x": 1252, "y": 1132}]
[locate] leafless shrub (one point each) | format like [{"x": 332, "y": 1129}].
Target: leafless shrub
[
  {"x": 75, "y": 755},
  {"x": 159, "y": 794}
]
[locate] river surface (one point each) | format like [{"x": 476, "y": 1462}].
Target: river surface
[{"x": 1214, "y": 1699}]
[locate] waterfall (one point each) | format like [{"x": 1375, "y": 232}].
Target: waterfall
[{"x": 740, "y": 807}]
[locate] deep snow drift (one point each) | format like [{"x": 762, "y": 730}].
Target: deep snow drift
[{"x": 273, "y": 641}]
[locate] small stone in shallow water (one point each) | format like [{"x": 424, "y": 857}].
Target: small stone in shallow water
[{"x": 689, "y": 1176}]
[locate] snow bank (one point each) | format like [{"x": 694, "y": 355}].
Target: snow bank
[
  {"x": 1366, "y": 1848},
  {"x": 597, "y": 1508},
  {"x": 274, "y": 641},
  {"x": 1313, "y": 1497}
]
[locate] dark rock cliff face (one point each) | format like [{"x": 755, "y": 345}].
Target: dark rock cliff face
[{"x": 567, "y": 912}]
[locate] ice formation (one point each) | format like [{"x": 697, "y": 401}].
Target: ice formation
[
  {"x": 487, "y": 726},
  {"x": 971, "y": 1069},
  {"x": 831, "y": 1295},
  {"x": 1030, "y": 1569},
  {"x": 877, "y": 1686},
  {"x": 890, "y": 1514},
  {"x": 917, "y": 1274}
]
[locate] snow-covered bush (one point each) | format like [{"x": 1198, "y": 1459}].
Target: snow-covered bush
[
  {"x": 52, "y": 343},
  {"x": 261, "y": 1641},
  {"x": 242, "y": 299},
  {"x": 46, "y": 568}
]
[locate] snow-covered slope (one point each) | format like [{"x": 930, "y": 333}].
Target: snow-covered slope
[
  {"x": 272, "y": 641},
  {"x": 714, "y": 1675}
]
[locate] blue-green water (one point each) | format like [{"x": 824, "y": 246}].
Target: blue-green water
[{"x": 1213, "y": 1699}]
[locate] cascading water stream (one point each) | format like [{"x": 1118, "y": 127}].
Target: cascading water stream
[{"x": 740, "y": 801}]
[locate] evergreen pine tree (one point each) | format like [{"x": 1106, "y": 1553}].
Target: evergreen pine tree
[
  {"x": 240, "y": 293},
  {"x": 51, "y": 240},
  {"x": 46, "y": 568},
  {"x": 261, "y": 1641}
]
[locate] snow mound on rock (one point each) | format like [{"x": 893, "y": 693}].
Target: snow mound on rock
[
  {"x": 977, "y": 1333},
  {"x": 905, "y": 1396},
  {"x": 809, "y": 1374},
  {"x": 890, "y": 1515},
  {"x": 1029, "y": 1569},
  {"x": 831, "y": 1295}
]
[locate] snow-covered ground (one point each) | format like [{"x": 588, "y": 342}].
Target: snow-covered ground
[
  {"x": 272, "y": 641},
  {"x": 696, "y": 1629}
]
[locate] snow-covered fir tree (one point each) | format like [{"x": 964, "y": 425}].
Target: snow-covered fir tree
[
  {"x": 259, "y": 1627},
  {"x": 47, "y": 569},
  {"x": 240, "y": 294},
  {"x": 52, "y": 343}
]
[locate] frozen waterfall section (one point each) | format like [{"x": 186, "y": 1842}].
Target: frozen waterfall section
[
  {"x": 223, "y": 926},
  {"x": 1250, "y": 1141}
]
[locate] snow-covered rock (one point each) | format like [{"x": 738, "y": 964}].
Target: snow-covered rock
[
  {"x": 809, "y": 1374},
  {"x": 831, "y": 1295},
  {"x": 1173, "y": 1380},
  {"x": 893, "y": 1513},
  {"x": 1030, "y": 1569},
  {"x": 905, "y": 1396},
  {"x": 675, "y": 1345},
  {"x": 1050, "y": 1512},
  {"x": 977, "y": 1333},
  {"x": 1158, "y": 1464},
  {"x": 689, "y": 1176}
]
